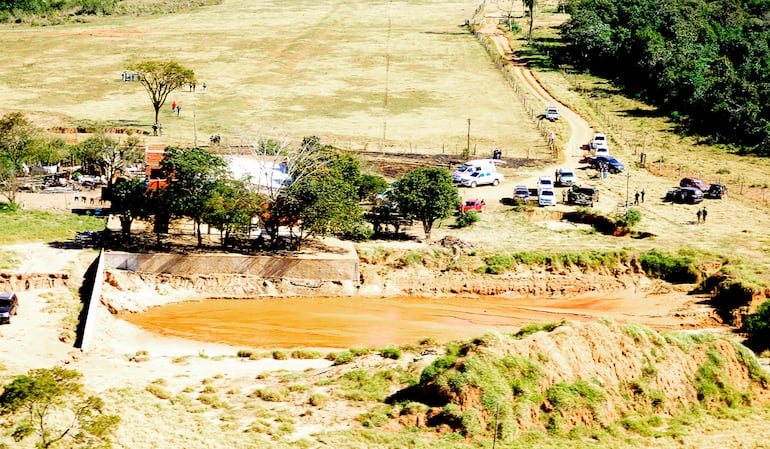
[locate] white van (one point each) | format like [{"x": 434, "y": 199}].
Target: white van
[{"x": 473, "y": 166}]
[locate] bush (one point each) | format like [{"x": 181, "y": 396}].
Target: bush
[
  {"x": 340, "y": 358},
  {"x": 758, "y": 321},
  {"x": 498, "y": 264},
  {"x": 391, "y": 352},
  {"x": 631, "y": 218},
  {"x": 360, "y": 232},
  {"x": 672, "y": 269},
  {"x": 466, "y": 218}
]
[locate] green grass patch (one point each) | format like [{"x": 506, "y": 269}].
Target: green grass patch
[
  {"x": 676, "y": 269},
  {"x": 35, "y": 225}
]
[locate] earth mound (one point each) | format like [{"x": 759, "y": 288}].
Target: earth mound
[{"x": 566, "y": 377}]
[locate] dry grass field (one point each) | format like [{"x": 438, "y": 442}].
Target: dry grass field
[
  {"x": 378, "y": 77},
  {"x": 360, "y": 75}
]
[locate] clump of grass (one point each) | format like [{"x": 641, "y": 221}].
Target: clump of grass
[
  {"x": 687, "y": 341},
  {"x": 340, "y": 358},
  {"x": 530, "y": 329},
  {"x": 159, "y": 391},
  {"x": 675, "y": 269},
  {"x": 305, "y": 354},
  {"x": 279, "y": 355},
  {"x": 245, "y": 353},
  {"x": 358, "y": 352},
  {"x": 565, "y": 397},
  {"x": 410, "y": 259},
  {"x": 358, "y": 385},
  {"x": 212, "y": 400},
  {"x": 391, "y": 352},
  {"x": 271, "y": 395},
  {"x": 318, "y": 399},
  {"x": 375, "y": 418}
]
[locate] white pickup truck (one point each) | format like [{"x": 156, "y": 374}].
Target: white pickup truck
[{"x": 551, "y": 113}]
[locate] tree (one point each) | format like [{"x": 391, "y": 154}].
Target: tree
[
  {"x": 160, "y": 78},
  {"x": 193, "y": 175},
  {"x": 109, "y": 155},
  {"x": 530, "y": 6},
  {"x": 230, "y": 208},
  {"x": 17, "y": 141},
  {"x": 51, "y": 404},
  {"x": 326, "y": 200},
  {"x": 128, "y": 200},
  {"x": 507, "y": 7},
  {"x": 370, "y": 185},
  {"x": 427, "y": 194}
]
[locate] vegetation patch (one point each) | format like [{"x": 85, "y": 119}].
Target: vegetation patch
[{"x": 676, "y": 269}]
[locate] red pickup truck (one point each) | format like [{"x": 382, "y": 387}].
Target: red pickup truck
[{"x": 474, "y": 205}]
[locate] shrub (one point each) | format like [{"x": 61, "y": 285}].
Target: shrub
[
  {"x": 466, "y": 218},
  {"x": 359, "y": 232},
  {"x": 631, "y": 218},
  {"x": 305, "y": 354},
  {"x": 498, "y": 264},
  {"x": 318, "y": 399},
  {"x": 391, "y": 352},
  {"x": 670, "y": 268},
  {"x": 340, "y": 358},
  {"x": 159, "y": 391},
  {"x": 245, "y": 353},
  {"x": 534, "y": 328}
]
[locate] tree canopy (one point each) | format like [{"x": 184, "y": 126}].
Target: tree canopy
[
  {"x": 193, "y": 175},
  {"x": 51, "y": 404},
  {"x": 705, "y": 62},
  {"x": 427, "y": 194},
  {"x": 160, "y": 78}
]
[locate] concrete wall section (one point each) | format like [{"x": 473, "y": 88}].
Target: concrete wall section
[
  {"x": 92, "y": 302},
  {"x": 334, "y": 267}
]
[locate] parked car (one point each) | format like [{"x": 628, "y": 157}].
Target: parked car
[
  {"x": 473, "y": 166},
  {"x": 546, "y": 197},
  {"x": 694, "y": 182},
  {"x": 565, "y": 177},
  {"x": 481, "y": 178},
  {"x": 602, "y": 151},
  {"x": 545, "y": 182},
  {"x": 551, "y": 113},
  {"x": 690, "y": 195},
  {"x": 9, "y": 305},
  {"x": 473, "y": 205},
  {"x": 716, "y": 191},
  {"x": 613, "y": 165},
  {"x": 599, "y": 140},
  {"x": 521, "y": 192},
  {"x": 583, "y": 196}
]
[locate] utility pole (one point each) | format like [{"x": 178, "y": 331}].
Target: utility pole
[
  {"x": 469, "y": 135},
  {"x": 195, "y": 132},
  {"x": 628, "y": 178}
]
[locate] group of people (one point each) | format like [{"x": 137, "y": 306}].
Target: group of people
[
  {"x": 126, "y": 76},
  {"x": 637, "y": 196},
  {"x": 702, "y": 213},
  {"x": 194, "y": 85},
  {"x": 176, "y": 107}
]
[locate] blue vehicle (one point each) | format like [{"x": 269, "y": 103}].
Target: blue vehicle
[{"x": 609, "y": 163}]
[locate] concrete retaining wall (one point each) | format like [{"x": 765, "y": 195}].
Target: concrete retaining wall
[
  {"x": 321, "y": 267},
  {"x": 92, "y": 302}
]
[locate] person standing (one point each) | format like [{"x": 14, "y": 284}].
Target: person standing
[
  {"x": 173, "y": 106},
  {"x": 636, "y": 199},
  {"x": 178, "y": 109},
  {"x": 699, "y": 215},
  {"x": 704, "y": 213},
  {"x": 204, "y": 88},
  {"x": 642, "y": 195}
]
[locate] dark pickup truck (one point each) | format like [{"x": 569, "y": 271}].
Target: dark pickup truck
[{"x": 582, "y": 196}]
